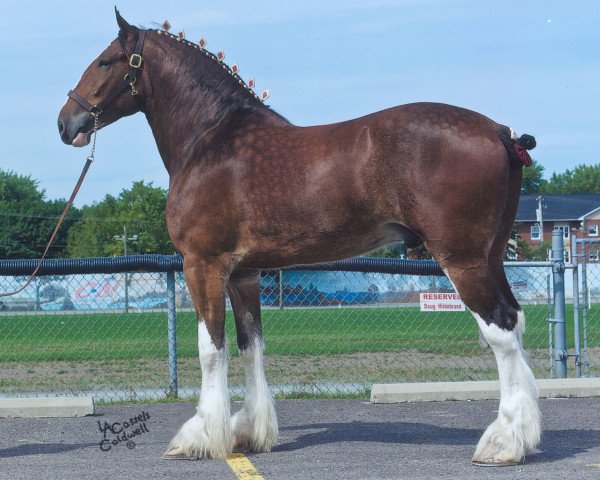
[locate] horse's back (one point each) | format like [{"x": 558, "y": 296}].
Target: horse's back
[{"x": 416, "y": 137}]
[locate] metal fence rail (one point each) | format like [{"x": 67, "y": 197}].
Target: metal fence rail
[{"x": 108, "y": 326}]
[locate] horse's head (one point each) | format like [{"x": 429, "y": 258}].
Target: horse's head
[{"x": 108, "y": 88}]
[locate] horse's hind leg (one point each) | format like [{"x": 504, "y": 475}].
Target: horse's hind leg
[
  {"x": 517, "y": 428},
  {"x": 496, "y": 255},
  {"x": 255, "y": 425},
  {"x": 208, "y": 433}
]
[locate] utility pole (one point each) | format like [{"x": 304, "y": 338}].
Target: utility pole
[
  {"x": 539, "y": 214},
  {"x": 124, "y": 238}
]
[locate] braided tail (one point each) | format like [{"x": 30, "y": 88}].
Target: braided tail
[{"x": 516, "y": 146}]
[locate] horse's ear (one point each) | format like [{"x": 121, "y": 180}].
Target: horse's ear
[{"x": 124, "y": 27}]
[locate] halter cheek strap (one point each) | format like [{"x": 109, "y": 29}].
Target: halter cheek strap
[{"x": 135, "y": 63}]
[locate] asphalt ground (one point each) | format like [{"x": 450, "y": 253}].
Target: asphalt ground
[{"x": 319, "y": 439}]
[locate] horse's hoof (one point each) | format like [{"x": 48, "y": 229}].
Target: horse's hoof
[
  {"x": 175, "y": 453},
  {"x": 169, "y": 456},
  {"x": 491, "y": 462}
]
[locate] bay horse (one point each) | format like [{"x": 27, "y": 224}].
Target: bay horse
[{"x": 248, "y": 190}]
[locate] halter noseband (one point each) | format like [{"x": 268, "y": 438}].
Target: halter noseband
[{"x": 135, "y": 63}]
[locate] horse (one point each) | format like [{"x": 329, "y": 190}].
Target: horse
[{"x": 248, "y": 190}]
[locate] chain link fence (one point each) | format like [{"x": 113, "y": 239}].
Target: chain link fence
[
  {"x": 587, "y": 255},
  {"x": 326, "y": 332}
]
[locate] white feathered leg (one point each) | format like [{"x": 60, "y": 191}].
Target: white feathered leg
[
  {"x": 255, "y": 425},
  {"x": 517, "y": 428},
  {"x": 208, "y": 433}
]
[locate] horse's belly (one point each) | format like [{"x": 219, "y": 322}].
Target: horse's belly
[{"x": 327, "y": 245}]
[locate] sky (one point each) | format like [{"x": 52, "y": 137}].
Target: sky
[{"x": 533, "y": 65}]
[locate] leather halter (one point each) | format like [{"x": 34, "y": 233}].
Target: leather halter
[{"x": 135, "y": 63}]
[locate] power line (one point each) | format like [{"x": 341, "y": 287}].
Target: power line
[{"x": 80, "y": 218}]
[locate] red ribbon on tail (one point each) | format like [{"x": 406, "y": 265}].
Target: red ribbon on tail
[{"x": 523, "y": 155}]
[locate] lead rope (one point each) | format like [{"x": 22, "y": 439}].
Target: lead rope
[{"x": 88, "y": 162}]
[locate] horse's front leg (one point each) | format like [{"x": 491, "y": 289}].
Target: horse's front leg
[
  {"x": 255, "y": 425},
  {"x": 208, "y": 433}
]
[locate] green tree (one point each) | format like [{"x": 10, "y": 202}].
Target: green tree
[
  {"x": 528, "y": 252},
  {"x": 420, "y": 253},
  {"x": 582, "y": 179},
  {"x": 28, "y": 219},
  {"x": 533, "y": 179},
  {"x": 394, "y": 250},
  {"x": 140, "y": 209}
]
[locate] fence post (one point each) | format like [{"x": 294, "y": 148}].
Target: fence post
[
  {"x": 558, "y": 274},
  {"x": 172, "y": 333},
  {"x": 576, "y": 323},
  {"x": 550, "y": 301},
  {"x": 585, "y": 302}
]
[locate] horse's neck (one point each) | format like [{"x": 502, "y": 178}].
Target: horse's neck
[{"x": 184, "y": 112}]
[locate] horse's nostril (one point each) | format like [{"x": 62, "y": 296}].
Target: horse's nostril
[{"x": 61, "y": 127}]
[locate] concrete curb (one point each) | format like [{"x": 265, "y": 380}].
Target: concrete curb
[
  {"x": 40, "y": 407},
  {"x": 484, "y": 390}
]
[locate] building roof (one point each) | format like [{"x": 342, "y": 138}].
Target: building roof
[{"x": 557, "y": 207}]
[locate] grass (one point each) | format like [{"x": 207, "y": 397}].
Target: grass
[
  {"x": 311, "y": 352},
  {"x": 300, "y": 331}
]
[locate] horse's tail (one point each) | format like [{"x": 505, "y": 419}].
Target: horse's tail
[{"x": 516, "y": 146}]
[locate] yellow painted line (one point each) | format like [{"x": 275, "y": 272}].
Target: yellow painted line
[
  {"x": 597, "y": 465},
  {"x": 243, "y": 468}
]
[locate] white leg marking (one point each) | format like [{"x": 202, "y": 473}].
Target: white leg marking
[
  {"x": 208, "y": 433},
  {"x": 255, "y": 425},
  {"x": 517, "y": 428}
]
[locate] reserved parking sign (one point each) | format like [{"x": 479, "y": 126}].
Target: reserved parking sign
[{"x": 441, "y": 302}]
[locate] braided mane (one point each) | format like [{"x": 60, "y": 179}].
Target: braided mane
[{"x": 212, "y": 56}]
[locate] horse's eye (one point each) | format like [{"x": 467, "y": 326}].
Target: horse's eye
[{"x": 104, "y": 63}]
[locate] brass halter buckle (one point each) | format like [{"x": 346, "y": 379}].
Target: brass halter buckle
[{"x": 135, "y": 61}]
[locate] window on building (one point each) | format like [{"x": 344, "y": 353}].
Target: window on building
[
  {"x": 594, "y": 255},
  {"x": 535, "y": 232},
  {"x": 567, "y": 255},
  {"x": 564, "y": 229},
  {"x": 593, "y": 229}
]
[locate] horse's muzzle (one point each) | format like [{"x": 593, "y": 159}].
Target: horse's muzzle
[{"x": 74, "y": 128}]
